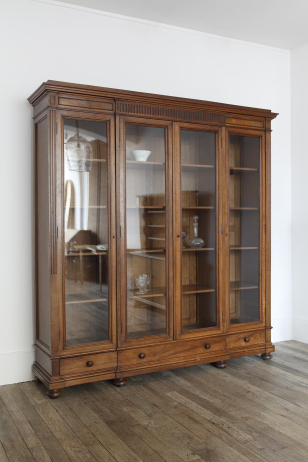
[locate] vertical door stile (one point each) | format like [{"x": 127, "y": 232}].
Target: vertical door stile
[
  {"x": 262, "y": 230},
  {"x": 87, "y": 223},
  {"x": 169, "y": 229},
  {"x": 245, "y": 243},
  {"x": 177, "y": 231},
  {"x": 197, "y": 219},
  {"x": 223, "y": 231},
  {"x": 219, "y": 229},
  {"x": 111, "y": 178},
  {"x": 121, "y": 178},
  {"x": 145, "y": 196}
]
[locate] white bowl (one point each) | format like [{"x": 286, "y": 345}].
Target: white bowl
[{"x": 140, "y": 155}]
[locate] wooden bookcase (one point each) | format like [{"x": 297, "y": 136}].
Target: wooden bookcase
[{"x": 123, "y": 287}]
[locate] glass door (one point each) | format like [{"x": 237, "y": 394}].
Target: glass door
[
  {"x": 196, "y": 220},
  {"x": 146, "y": 261},
  {"x": 245, "y": 228},
  {"x": 88, "y": 223}
]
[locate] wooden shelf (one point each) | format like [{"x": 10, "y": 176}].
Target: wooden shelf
[
  {"x": 195, "y": 289},
  {"x": 143, "y": 165},
  {"x": 146, "y": 252},
  {"x": 136, "y": 251},
  {"x": 154, "y": 292},
  {"x": 152, "y": 256},
  {"x": 186, "y": 167},
  {"x": 244, "y": 208},
  {"x": 161, "y": 291},
  {"x": 86, "y": 249},
  {"x": 242, "y": 169},
  {"x": 87, "y": 207},
  {"x": 86, "y": 301},
  {"x": 202, "y": 249},
  {"x": 86, "y": 254},
  {"x": 241, "y": 285},
  {"x": 198, "y": 207},
  {"x": 94, "y": 296},
  {"x": 148, "y": 207},
  {"x": 237, "y": 247},
  {"x": 89, "y": 160}
]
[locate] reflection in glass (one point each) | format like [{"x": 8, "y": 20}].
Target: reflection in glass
[
  {"x": 244, "y": 200},
  {"x": 145, "y": 231},
  {"x": 86, "y": 237},
  {"x": 79, "y": 152},
  {"x": 198, "y": 191}
]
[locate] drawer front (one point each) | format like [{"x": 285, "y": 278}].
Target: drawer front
[
  {"x": 176, "y": 350},
  {"x": 245, "y": 339},
  {"x": 88, "y": 363}
]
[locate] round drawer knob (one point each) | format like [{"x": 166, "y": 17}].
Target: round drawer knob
[
  {"x": 142, "y": 356},
  {"x": 90, "y": 363},
  {"x": 207, "y": 346},
  {"x": 246, "y": 339}
]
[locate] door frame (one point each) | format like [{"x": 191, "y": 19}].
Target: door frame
[
  {"x": 121, "y": 122},
  {"x": 177, "y": 218},
  {"x": 110, "y": 344},
  {"x": 241, "y": 131}
]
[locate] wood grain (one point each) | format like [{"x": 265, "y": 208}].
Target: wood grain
[
  {"x": 252, "y": 411},
  {"x": 208, "y": 159}
]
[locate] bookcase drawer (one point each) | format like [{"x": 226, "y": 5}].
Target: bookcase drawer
[
  {"x": 245, "y": 339},
  {"x": 167, "y": 352},
  {"x": 88, "y": 363}
]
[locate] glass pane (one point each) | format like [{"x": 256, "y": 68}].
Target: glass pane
[
  {"x": 146, "y": 232},
  {"x": 86, "y": 231},
  {"x": 198, "y": 189},
  {"x": 244, "y": 200}
]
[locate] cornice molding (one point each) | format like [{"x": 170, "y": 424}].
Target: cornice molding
[{"x": 164, "y": 102}]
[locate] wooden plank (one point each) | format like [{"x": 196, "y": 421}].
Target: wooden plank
[
  {"x": 26, "y": 431},
  {"x": 81, "y": 430},
  {"x": 269, "y": 445},
  {"x": 119, "y": 450},
  {"x": 3, "y": 456},
  {"x": 14, "y": 446},
  {"x": 159, "y": 428},
  {"x": 253, "y": 411},
  {"x": 215, "y": 447},
  {"x": 42, "y": 431},
  {"x": 62, "y": 432}
]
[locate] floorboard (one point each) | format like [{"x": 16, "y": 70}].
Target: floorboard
[{"x": 252, "y": 411}]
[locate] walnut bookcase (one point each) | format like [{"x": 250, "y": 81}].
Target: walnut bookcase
[{"x": 100, "y": 228}]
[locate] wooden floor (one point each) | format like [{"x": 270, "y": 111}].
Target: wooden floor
[{"x": 251, "y": 411}]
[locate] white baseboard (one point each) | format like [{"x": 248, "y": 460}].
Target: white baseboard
[
  {"x": 16, "y": 367},
  {"x": 282, "y": 329},
  {"x": 300, "y": 329}
]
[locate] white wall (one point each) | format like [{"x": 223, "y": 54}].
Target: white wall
[
  {"x": 299, "y": 121},
  {"x": 41, "y": 41}
]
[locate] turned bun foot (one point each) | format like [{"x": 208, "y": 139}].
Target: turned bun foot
[
  {"x": 220, "y": 364},
  {"x": 38, "y": 380},
  {"x": 266, "y": 356},
  {"x": 53, "y": 394},
  {"x": 119, "y": 382}
]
